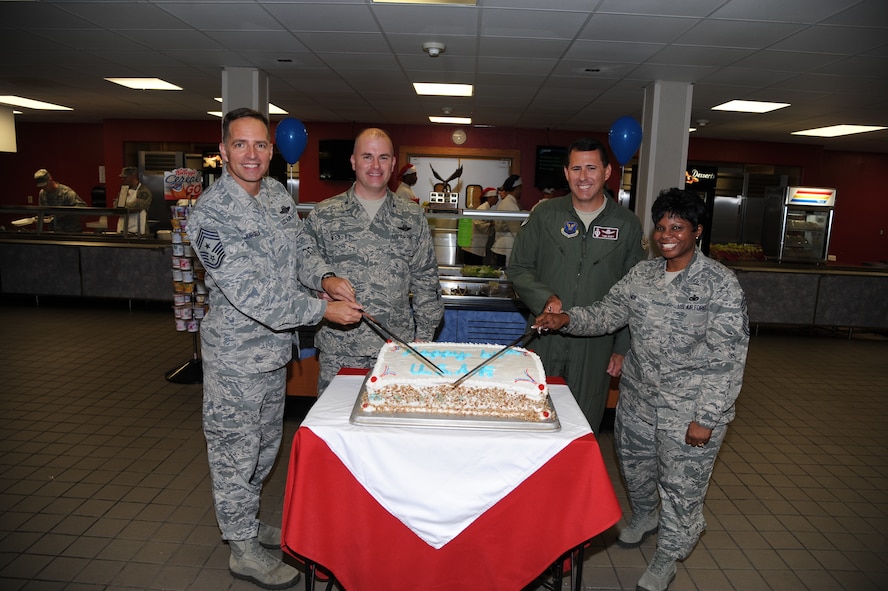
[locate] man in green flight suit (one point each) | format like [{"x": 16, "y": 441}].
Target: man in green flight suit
[{"x": 569, "y": 252}]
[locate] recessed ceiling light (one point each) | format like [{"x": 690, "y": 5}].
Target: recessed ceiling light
[
  {"x": 692, "y": 129},
  {"x": 460, "y": 2},
  {"x": 457, "y": 120},
  {"x": 272, "y": 108},
  {"x": 434, "y": 89},
  {"x": 837, "y": 130},
  {"x": 27, "y": 103},
  {"x": 144, "y": 83},
  {"x": 749, "y": 106}
]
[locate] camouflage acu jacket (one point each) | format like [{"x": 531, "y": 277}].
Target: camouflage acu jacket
[
  {"x": 256, "y": 252},
  {"x": 688, "y": 340},
  {"x": 386, "y": 260}
]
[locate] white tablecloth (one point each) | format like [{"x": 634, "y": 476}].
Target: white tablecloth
[{"x": 437, "y": 481}]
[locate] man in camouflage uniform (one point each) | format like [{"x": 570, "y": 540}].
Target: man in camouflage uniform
[
  {"x": 55, "y": 194},
  {"x": 383, "y": 245},
  {"x": 690, "y": 333},
  {"x": 253, "y": 245},
  {"x": 569, "y": 252}
]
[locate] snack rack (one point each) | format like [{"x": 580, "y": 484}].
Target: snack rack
[{"x": 189, "y": 293}]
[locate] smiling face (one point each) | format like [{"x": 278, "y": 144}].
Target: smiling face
[
  {"x": 373, "y": 162},
  {"x": 676, "y": 238},
  {"x": 247, "y": 152},
  {"x": 586, "y": 174}
]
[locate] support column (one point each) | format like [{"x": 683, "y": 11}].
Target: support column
[
  {"x": 244, "y": 87},
  {"x": 664, "y": 147}
]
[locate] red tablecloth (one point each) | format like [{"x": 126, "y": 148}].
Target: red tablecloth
[{"x": 330, "y": 519}]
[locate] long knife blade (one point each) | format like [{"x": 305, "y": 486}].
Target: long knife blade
[
  {"x": 375, "y": 323},
  {"x": 522, "y": 340}
]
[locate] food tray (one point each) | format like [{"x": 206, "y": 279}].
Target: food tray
[{"x": 446, "y": 421}]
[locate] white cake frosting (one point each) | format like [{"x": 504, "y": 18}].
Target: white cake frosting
[{"x": 512, "y": 386}]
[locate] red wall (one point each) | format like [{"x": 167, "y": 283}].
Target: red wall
[
  {"x": 861, "y": 228},
  {"x": 74, "y": 152}
]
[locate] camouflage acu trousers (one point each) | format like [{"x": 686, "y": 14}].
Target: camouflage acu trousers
[
  {"x": 660, "y": 468},
  {"x": 331, "y": 363},
  {"x": 243, "y": 425}
]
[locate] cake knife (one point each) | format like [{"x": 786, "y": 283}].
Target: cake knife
[
  {"x": 522, "y": 340},
  {"x": 375, "y": 323}
]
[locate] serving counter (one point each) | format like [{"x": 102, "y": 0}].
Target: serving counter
[{"x": 815, "y": 295}]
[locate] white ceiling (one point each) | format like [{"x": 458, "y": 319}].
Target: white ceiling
[{"x": 530, "y": 60}]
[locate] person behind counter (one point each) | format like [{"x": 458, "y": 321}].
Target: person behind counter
[
  {"x": 408, "y": 178},
  {"x": 138, "y": 198},
  {"x": 690, "y": 334},
  {"x": 383, "y": 244},
  {"x": 479, "y": 252},
  {"x": 55, "y": 194},
  {"x": 510, "y": 197},
  {"x": 257, "y": 255}
]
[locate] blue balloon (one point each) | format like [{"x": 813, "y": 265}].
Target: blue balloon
[
  {"x": 291, "y": 139},
  {"x": 624, "y": 138}
]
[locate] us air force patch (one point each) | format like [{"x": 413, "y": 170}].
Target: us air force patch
[
  {"x": 209, "y": 248},
  {"x": 570, "y": 229},
  {"x": 605, "y": 233}
]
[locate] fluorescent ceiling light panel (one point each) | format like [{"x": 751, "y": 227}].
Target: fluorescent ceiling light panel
[
  {"x": 837, "y": 130},
  {"x": 456, "y": 120},
  {"x": 27, "y": 103},
  {"x": 144, "y": 83},
  {"x": 460, "y": 2},
  {"x": 435, "y": 89},
  {"x": 749, "y": 106},
  {"x": 272, "y": 108},
  {"x": 215, "y": 114}
]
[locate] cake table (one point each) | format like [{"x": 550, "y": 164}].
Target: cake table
[{"x": 399, "y": 508}]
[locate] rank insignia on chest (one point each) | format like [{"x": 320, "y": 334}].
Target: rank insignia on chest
[
  {"x": 570, "y": 229},
  {"x": 209, "y": 248},
  {"x": 605, "y": 233}
]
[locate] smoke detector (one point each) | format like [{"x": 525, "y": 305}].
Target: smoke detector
[
  {"x": 446, "y": 110},
  {"x": 702, "y": 122},
  {"x": 433, "y": 48}
]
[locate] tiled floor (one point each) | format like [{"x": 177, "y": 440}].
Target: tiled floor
[{"x": 103, "y": 478}]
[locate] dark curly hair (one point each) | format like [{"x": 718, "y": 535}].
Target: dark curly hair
[{"x": 680, "y": 203}]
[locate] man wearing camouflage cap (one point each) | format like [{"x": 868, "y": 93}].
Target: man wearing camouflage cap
[
  {"x": 137, "y": 199},
  {"x": 55, "y": 194}
]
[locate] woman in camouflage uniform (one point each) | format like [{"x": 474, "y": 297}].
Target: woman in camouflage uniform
[{"x": 689, "y": 335}]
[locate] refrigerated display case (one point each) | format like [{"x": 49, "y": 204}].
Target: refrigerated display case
[{"x": 797, "y": 223}]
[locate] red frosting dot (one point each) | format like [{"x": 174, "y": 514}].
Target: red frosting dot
[
  {"x": 545, "y": 413},
  {"x": 541, "y": 387},
  {"x": 373, "y": 379}
]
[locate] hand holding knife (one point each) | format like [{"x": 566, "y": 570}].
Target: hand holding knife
[
  {"x": 523, "y": 340},
  {"x": 380, "y": 328}
]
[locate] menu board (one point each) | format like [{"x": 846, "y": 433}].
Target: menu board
[{"x": 549, "y": 171}]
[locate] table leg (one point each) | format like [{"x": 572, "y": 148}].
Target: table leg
[
  {"x": 309, "y": 575},
  {"x": 576, "y": 568}
]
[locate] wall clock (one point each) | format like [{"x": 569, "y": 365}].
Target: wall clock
[{"x": 458, "y": 137}]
